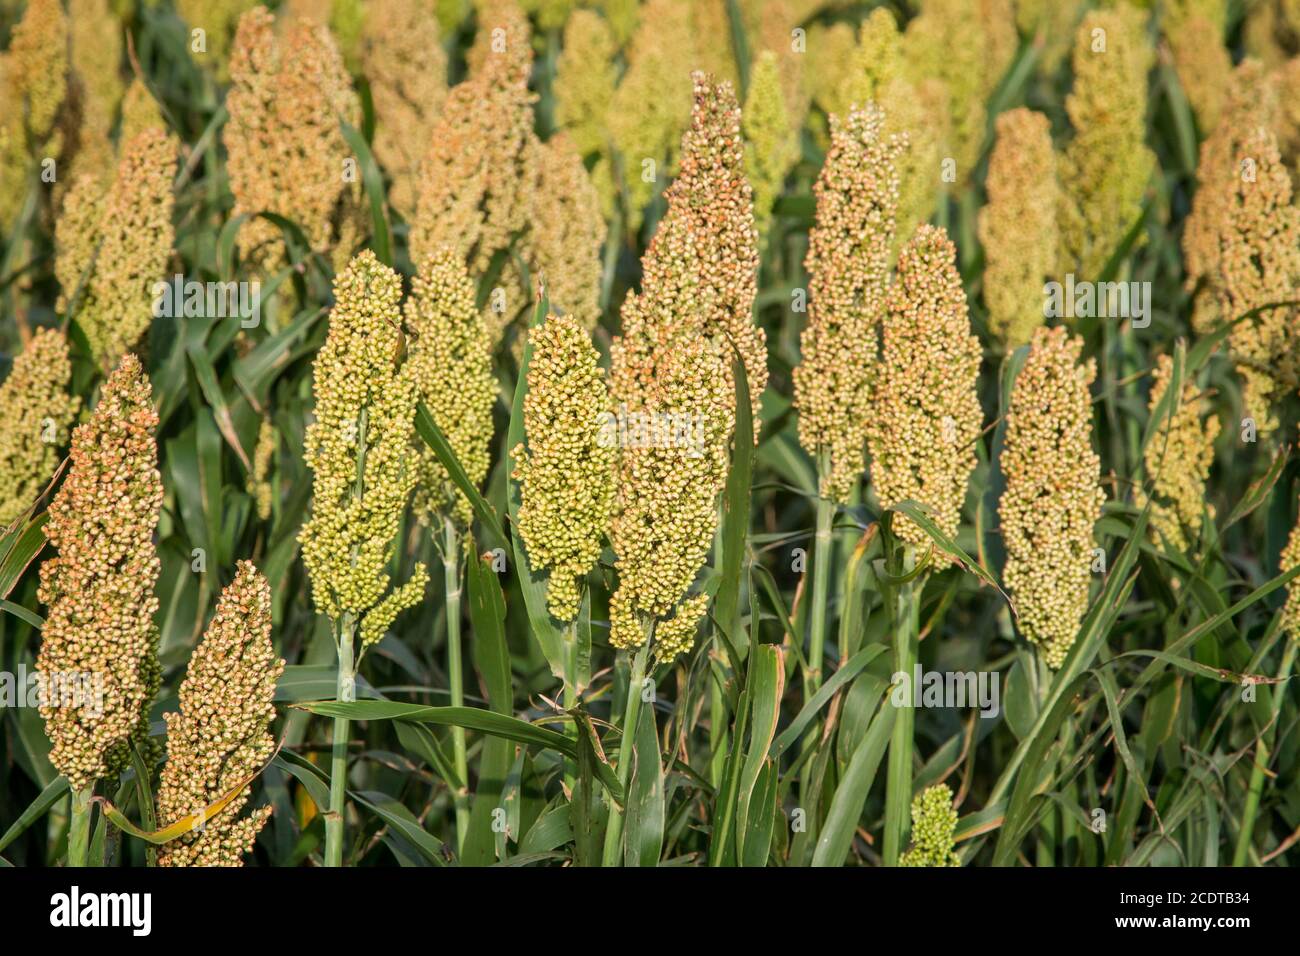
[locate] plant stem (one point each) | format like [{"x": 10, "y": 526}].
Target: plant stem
[
  {"x": 823, "y": 557},
  {"x": 345, "y": 692},
  {"x": 898, "y": 791},
  {"x": 612, "y": 854},
  {"x": 456, "y": 675},
  {"x": 79, "y": 826},
  {"x": 1262, "y": 755}
]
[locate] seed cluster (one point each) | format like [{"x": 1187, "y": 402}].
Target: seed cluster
[
  {"x": 874, "y": 69},
  {"x": 585, "y": 77},
  {"x": 259, "y": 482},
  {"x": 771, "y": 143},
  {"x": 1053, "y": 495},
  {"x": 713, "y": 195},
  {"x": 1178, "y": 461},
  {"x": 406, "y": 66},
  {"x": 1194, "y": 29},
  {"x": 848, "y": 261},
  {"x": 568, "y": 231},
  {"x": 94, "y": 86},
  {"x": 1250, "y": 102},
  {"x": 100, "y": 587},
  {"x": 134, "y": 233},
  {"x": 934, "y": 825},
  {"x": 667, "y": 491},
  {"x": 1106, "y": 166},
  {"x": 1260, "y": 259},
  {"x": 38, "y": 413},
  {"x": 474, "y": 178},
  {"x": 359, "y": 450},
  {"x": 649, "y": 108},
  {"x": 1018, "y": 226},
  {"x": 286, "y": 150},
  {"x": 967, "y": 45},
  {"x": 33, "y": 86},
  {"x": 566, "y": 476},
  {"x": 925, "y": 416},
  {"x": 220, "y": 736},
  {"x": 450, "y": 362},
  {"x": 1289, "y": 558}
]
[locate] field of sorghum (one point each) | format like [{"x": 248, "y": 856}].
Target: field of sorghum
[{"x": 760, "y": 432}]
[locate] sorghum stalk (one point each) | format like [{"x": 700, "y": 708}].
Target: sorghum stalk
[
  {"x": 898, "y": 791},
  {"x": 631, "y": 715},
  {"x": 344, "y": 692},
  {"x": 1263, "y": 753},
  {"x": 79, "y": 826},
  {"x": 823, "y": 558},
  {"x": 456, "y": 674}
]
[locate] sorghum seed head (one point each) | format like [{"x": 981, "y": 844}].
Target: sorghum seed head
[
  {"x": 33, "y": 87},
  {"x": 285, "y": 146},
  {"x": 566, "y": 475},
  {"x": 220, "y": 736},
  {"x": 934, "y": 828},
  {"x": 406, "y": 66},
  {"x": 926, "y": 414},
  {"x": 567, "y": 237},
  {"x": 771, "y": 143},
  {"x": 848, "y": 265},
  {"x": 1250, "y": 102},
  {"x": 652, "y": 103},
  {"x": 1053, "y": 493},
  {"x": 100, "y": 587},
  {"x": 967, "y": 45},
  {"x": 1194, "y": 29},
  {"x": 218, "y": 20},
  {"x": 135, "y": 236},
  {"x": 449, "y": 359},
  {"x": 474, "y": 179},
  {"x": 362, "y": 398},
  {"x": 139, "y": 112},
  {"x": 38, "y": 413},
  {"x": 714, "y": 197},
  {"x": 1106, "y": 166},
  {"x": 585, "y": 78},
  {"x": 259, "y": 482},
  {"x": 94, "y": 84},
  {"x": 1289, "y": 558},
  {"x": 1018, "y": 225},
  {"x": 664, "y": 375},
  {"x": 1178, "y": 461}
]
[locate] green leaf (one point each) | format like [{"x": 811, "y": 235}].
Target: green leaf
[
  {"x": 643, "y": 826},
  {"x": 52, "y": 794},
  {"x": 404, "y": 822},
  {"x": 767, "y": 680},
  {"x": 917, "y": 513},
  {"x": 20, "y": 549},
  {"x": 471, "y": 718},
  {"x": 851, "y": 795},
  {"x": 492, "y": 659},
  {"x": 374, "y": 183},
  {"x": 432, "y": 435}
]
